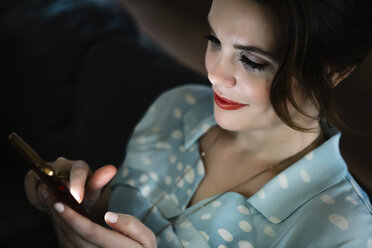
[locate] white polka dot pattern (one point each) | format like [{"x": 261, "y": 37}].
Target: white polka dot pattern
[
  {"x": 125, "y": 172},
  {"x": 168, "y": 180},
  {"x": 327, "y": 199},
  {"x": 283, "y": 181},
  {"x": 177, "y": 113},
  {"x": 163, "y": 145},
  {"x": 206, "y": 216},
  {"x": 245, "y": 226},
  {"x": 185, "y": 243},
  {"x": 205, "y": 236},
  {"x": 172, "y": 159},
  {"x": 179, "y": 166},
  {"x": 146, "y": 161},
  {"x": 185, "y": 224},
  {"x": 309, "y": 156},
  {"x": 189, "y": 192},
  {"x": 176, "y": 134},
  {"x": 143, "y": 178},
  {"x": 180, "y": 183},
  {"x": 339, "y": 221},
  {"x": 141, "y": 140},
  {"x": 305, "y": 176},
  {"x": 154, "y": 176},
  {"x": 245, "y": 244},
  {"x": 269, "y": 231},
  {"x": 130, "y": 182},
  {"x": 242, "y": 209},
  {"x": 261, "y": 194},
  {"x": 190, "y": 176},
  {"x": 192, "y": 149},
  {"x": 369, "y": 243},
  {"x": 200, "y": 168},
  {"x": 145, "y": 190},
  {"x": 274, "y": 220},
  {"x": 169, "y": 236},
  {"x": 226, "y": 235},
  {"x": 182, "y": 148},
  {"x": 190, "y": 99},
  {"x": 351, "y": 200},
  {"x": 174, "y": 198}
]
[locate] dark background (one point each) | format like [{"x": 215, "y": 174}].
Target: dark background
[{"x": 75, "y": 78}]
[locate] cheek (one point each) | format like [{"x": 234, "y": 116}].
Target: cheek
[
  {"x": 257, "y": 92},
  {"x": 209, "y": 60}
]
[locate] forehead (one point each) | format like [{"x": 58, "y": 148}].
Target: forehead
[{"x": 243, "y": 22}]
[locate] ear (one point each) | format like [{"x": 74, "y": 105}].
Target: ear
[{"x": 337, "y": 76}]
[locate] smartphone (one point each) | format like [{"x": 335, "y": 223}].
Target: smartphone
[{"x": 46, "y": 173}]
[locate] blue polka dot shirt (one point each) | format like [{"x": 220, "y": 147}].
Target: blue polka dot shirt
[{"x": 313, "y": 203}]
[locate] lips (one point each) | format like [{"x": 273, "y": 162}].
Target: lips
[{"x": 227, "y": 104}]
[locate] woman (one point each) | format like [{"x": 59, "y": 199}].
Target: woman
[{"x": 250, "y": 163}]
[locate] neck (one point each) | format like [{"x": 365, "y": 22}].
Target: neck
[{"x": 271, "y": 146}]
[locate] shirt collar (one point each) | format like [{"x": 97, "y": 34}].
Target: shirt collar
[
  {"x": 197, "y": 120},
  {"x": 315, "y": 172}
]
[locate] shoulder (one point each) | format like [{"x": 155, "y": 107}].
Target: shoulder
[
  {"x": 167, "y": 122},
  {"x": 338, "y": 216},
  {"x": 186, "y": 95},
  {"x": 169, "y": 108}
]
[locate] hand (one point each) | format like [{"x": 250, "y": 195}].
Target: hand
[
  {"x": 75, "y": 230},
  {"x": 84, "y": 185}
]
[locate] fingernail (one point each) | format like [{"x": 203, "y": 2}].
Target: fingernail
[
  {"x": 45, "y": 193},
  {"x": 59, "y": 207},
  {"x": 76, "y": 196},
  {"x": 111, "y": 217}
]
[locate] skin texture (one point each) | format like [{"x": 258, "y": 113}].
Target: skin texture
[{"x": 254, "y": 128}]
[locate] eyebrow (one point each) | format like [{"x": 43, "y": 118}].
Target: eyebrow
[{"x": 254, "y": 49}]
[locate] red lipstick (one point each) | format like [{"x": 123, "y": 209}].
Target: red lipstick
[{"x": 227, "y": 104}]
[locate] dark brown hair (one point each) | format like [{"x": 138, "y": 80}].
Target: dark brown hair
[{"x": 317, "y": 38}]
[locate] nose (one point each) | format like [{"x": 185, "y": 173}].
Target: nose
[{"x": 221, "y": 72}]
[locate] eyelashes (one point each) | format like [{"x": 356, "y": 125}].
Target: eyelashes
[
  {"x": 252, "y": 65},
  {"x": 256, "y": 67},
  {"x": 215, "y": 42}
]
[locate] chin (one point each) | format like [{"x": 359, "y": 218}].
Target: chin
[
  {"x": 239, "y": 120},
  {"x": 229, "y": 120}
]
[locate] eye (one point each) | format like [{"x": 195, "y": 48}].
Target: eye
[
  {"x": 213, "y": 39},
  {"x": 252, "y": 65}
]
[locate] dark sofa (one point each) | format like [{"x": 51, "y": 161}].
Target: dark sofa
[{"x": 76, "y": 78}]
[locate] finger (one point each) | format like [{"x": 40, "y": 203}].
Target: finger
[
  {"x": 131, "y": 227},
  {"x": 61, "y": 165},
  {"x": 98, "y": 180},
  {"x": 91, "y": 232},
  {"x": 78, "y": 176},
  {"x": 67, "y": 236},
  {"x": 32, "y": 191},
  {"x": 62, "y": 238}
]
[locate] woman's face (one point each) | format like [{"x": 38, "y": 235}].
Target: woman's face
[{"x": 241, "y": 62}]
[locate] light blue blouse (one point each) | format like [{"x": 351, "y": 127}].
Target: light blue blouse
[{"x": 313, "y": 203}]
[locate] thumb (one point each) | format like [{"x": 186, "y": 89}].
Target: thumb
[
  {"x": 131, "y": 227},
  {"x": 98, "y": 180}
]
